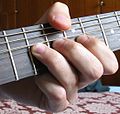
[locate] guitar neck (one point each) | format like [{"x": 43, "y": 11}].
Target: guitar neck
[{"x": 16, "y": 61}]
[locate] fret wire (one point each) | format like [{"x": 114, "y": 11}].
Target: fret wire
[
  {"x": 64, "y": 34},
  {"x": 81, "y": 24},
  {"x": 3, "y": 51},
  {"x": 98, "y": 24},
  {"x": 11, "y": 56},
  {"x": 83, "y": 20},
  {"x": 118, "y": 20},
  {"x": 51, "y": 27},
  {"x": 22, "y": 47},
  {"x": 28, "y": 46},
  {"x": 52, "y": 40},
  {"x": 32, "y": 37},
  {"x": 54, "y": 32},
  {"x": 101, "y": 26},
  {"x": 96, "y": 18},
  {"x": 35, "y": 30},
  {"x": 8, "y": 41},
  {"x": 46, "y": 39}
]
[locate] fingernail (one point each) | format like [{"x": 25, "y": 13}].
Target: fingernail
[
  {"x": 83, "y": 38},
  {"x": 38, "y": 48},
  {"x": 58, "y": 43}
]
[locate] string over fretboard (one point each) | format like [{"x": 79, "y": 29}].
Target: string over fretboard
[{"x": 15, "y": 43}]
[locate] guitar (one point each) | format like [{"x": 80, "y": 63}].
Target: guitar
[{"x": 16, "y": 61}]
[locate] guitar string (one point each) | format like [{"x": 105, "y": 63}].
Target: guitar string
[
  {"x": 38, "y": 69},
  {"x": 50, "y": 27},
  {"x": 29, "y": 45},
  {"x": 83, "y": 21},
  {"x": 58, "y": 32},
  {"x": 53, "y": 33},
  {"x": 44, "y": 42},
  {"x": 23, "y": 51},
  {"x": 51, "y": 40},
  {"x": 42, "y": 35},
  {"x": 22, "y": 47},
  {"x": 40, "y": 29}
]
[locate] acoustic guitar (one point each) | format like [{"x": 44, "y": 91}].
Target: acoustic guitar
[{"x": 16, "y": 60}]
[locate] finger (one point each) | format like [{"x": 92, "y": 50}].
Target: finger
[
  {"x": 58, "y": 16},
  {"x": 87, "y": 64},
  {"x": 55, "y": 95},
  {"x": 59, "y": 67},
  {"x": 101, "y": 51}
]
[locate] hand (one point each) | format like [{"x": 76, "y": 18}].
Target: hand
[{"x": 72, "y": 66}]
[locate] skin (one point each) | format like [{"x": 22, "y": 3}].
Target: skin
[
  {"x": 72, "y": 65},
  {"x": 84, "y": 61}
]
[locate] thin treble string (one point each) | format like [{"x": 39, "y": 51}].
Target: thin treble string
[
  {"x": 24, "y": 51},
  {"x": 21, "y": 47},
  {"x": 44, "y": 42},
  {"x": 101, "y": 17},
  {"x": 20, "y": 39},
  {"x": 49, "y": 28},
  {"x": 83, "y": 21},
  {"x": 33, "y": 30},
  {"x": 28, "y": 31},
  {"x": 52, "y": 33}
]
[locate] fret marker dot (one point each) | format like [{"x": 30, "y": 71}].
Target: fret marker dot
[
  {"x": 73, "y": 30},
  {"x": 112, "y": 31}
]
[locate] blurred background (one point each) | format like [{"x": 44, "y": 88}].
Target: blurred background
[{"x": 18, "y": 13}]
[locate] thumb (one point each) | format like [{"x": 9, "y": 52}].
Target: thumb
[{"x": 58, "y": 16}]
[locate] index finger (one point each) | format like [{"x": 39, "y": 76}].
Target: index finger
[{"x": 58, "y": 16}]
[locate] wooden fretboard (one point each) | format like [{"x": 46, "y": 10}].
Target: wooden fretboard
[{"x": 16, "y": 61}]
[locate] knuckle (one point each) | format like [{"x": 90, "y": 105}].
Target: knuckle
[
  {"x": 57, "y": 100},
  {"x": 70, "y": 84},
  {"x": 59, "y": 96}
]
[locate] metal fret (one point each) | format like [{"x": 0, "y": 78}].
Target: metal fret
[
  {"x": 103, "y": 32},
  {"x": 46, "y": 39},
  {"x": 64, "y": 34},
  {"x": 81, "y": 24},
  {"x": 118, "y": 20},
  {"x": 28, "y": 46},
  {"x": 11, "y": 56},
  {"x": 48, "y": 31}
]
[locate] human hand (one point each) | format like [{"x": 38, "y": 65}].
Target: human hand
[{"x": 72, "y": 65}]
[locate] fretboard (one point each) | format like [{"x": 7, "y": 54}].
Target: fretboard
[{"x": 16, "y": 61}]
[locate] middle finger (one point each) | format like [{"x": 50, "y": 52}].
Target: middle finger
[{"x": 84, "y": 61}]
